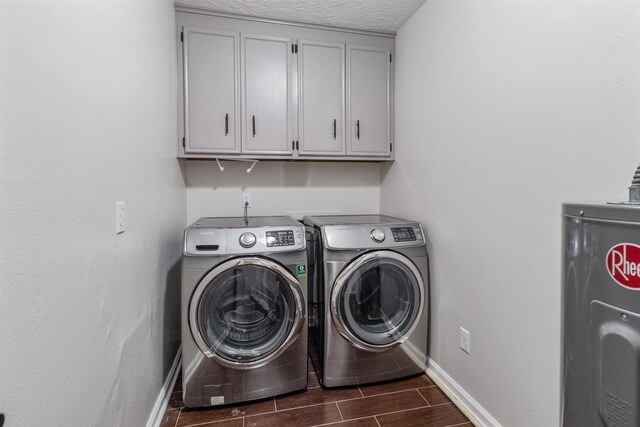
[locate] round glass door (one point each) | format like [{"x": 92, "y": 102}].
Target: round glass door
[
  {"x": 246, "y": 312},
  {"x": 377, "y": 300}
]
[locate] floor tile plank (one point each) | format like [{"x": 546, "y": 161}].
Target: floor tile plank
[
  {"x": 431, "y": 416},
  {"x": 300, "y": 417},
  {"x": 381, "y": 404}
]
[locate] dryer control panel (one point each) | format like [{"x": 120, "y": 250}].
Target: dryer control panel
[{"x": 374, "y": 236}]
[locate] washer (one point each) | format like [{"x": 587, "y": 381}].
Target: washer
[
  {"x": 244, "y": 290},
  {"x": 368, "y": 303}
]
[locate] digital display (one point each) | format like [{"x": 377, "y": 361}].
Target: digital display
[
  {"x": 403, "y": 234},
  {"x": 280, "y": 238}
]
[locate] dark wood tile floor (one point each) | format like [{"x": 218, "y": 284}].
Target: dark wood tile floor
[{"x": 414, "y": 401}]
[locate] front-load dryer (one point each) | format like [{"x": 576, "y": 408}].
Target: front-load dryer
[
  {"x": 368, "y": 302},
  {"x": 244, "y": 289}
]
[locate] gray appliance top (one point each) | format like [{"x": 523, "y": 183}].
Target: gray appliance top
[
  {"x": 603, "y": 211},
  {"x": 232, "y": 236},
  {"x": 353, "y": 219},
  {"x": 239, "y": 222},
  {"x": 361, "y": 232}
]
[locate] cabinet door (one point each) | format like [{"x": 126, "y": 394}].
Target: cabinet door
[
  {"x": 321, "y": 105},
  {"x": 368, "y": 101},
  {"x": 211, "y": 110},
  {"x": 266, "y": 76}
]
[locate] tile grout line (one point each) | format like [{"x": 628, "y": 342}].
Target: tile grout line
[
  {"x": 377, "y": 422},
  {"x": 339, "y": 411},
  {"x": 275, "y": 404},
  {"x": 459, "y": 424},
  {"x": 177, "y": 419},
  {"x": 425, "y": 399}
]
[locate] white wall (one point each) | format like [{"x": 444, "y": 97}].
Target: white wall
[
  {"x": 282, "y": 188},
  {"x": 88, "y": 320},
  {"x": 505, "y": 109}
]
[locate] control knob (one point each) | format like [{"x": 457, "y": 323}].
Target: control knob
[
  {"x": 247, "y": 240},
  {"x": 377, "y": 235}
]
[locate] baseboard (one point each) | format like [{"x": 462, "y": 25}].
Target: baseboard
[
  {"x": 472, "y": 409},
  {"x": 165, "y": 393}
]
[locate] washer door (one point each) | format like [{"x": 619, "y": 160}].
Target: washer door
[
  {"x": 246, "y": 312},
  {"x": 377, "y": 300}
]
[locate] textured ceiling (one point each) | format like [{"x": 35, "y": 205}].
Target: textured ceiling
[{"x": 372, "y": 15}]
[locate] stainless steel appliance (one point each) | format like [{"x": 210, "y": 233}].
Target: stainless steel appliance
[
  {"x": 601, "y": 316},
  {"x": 368, "y": 298},
  {"x": 244, "y": 289}
]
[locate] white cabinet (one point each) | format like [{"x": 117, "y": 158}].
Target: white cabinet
[
  {"x": 211, "y": 110},
  {"x": 266, "y": 95},
  {"x": 262, "y": 89},
  {"x": 368, "y": 101},
  {"x": 321, "y": 76}
]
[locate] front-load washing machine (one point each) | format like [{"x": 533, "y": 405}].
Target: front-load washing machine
[
  {"x": 368, "y": 303},
  {"x": 244, "y": 289}
]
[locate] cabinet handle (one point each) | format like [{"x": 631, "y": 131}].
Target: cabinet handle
[
  {"x": 358, "y": 129},
  {"x": 226, "y": 124},
  {"x": 253, "y": 122},
  {"x": 334, "y": 128}
]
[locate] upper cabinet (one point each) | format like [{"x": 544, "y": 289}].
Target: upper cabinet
[
  {"x": 266, "y": 100},
  {"x": 321, "y": 71},
  {"x": 368, "y": 101},
  {"x": 257, "y": 89},
  {"x": 210, "y": 67}
]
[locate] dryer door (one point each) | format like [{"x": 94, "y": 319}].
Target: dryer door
[
  {"x": 246, "y": 312},
  {"x": 377, "y": 300}
]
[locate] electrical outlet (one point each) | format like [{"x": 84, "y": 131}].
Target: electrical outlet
[
  {"x": 465, "y": 340},
  {"x": 246, "y": 199},
  {"x": 121, "y": 210}
]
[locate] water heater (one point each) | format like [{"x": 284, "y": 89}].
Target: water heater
[{"x": 601, "y": 313}]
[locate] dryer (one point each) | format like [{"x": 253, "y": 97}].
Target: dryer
[
  {"x": 369, "y": 298},
  {"x": 244, "y": 289}
]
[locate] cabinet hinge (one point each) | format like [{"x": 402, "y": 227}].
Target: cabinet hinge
[
  {"x": 294, "y": 48},
  {"x": 183, "y": 142},
  {"x": 293, "y": 145},
  {"x": 390, "y": 146},
  {"x": 390, "y": 57},
  {"x": 297, "y": 145},
  {"x": 182, "y": 36}
]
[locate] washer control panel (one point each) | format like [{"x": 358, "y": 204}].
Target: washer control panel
[
  {"x": 249, "y": 240},
  {"x": 280, "y": 238},
  {"x": 403, "y": 234}
]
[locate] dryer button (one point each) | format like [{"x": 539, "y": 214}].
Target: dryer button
[
  {"x": 377, "y": 235},
  {"x": 247, "y": 240}
]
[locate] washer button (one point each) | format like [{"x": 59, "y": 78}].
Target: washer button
[
  {"x": 247, "y": 240},
  {"x": 377, "y": 235}
]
